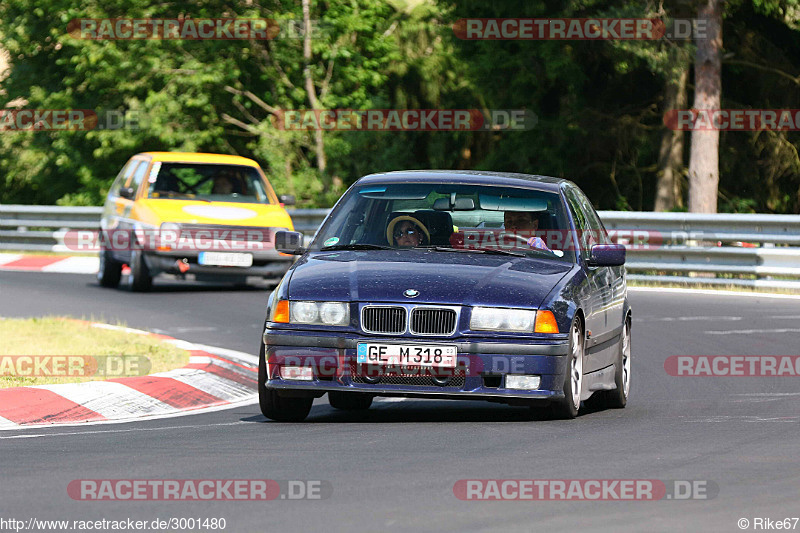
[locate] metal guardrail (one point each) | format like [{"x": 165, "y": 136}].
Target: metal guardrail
[{"x": 728, "y": 249}]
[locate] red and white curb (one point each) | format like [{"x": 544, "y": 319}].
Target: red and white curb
[
  {"x": 50, "y": 263},
  {"x": 210, "y": 381}
]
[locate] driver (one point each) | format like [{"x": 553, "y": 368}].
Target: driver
[
  {"x": 407, "y": 232},
  {"x": 524, "y": 224},
  {"x": 223, "y": 184}
]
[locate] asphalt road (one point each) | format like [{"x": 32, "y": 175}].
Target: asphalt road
[{"x": 393, "y": 468}]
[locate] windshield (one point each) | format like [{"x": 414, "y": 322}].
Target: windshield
[
  {"x": 220, "y": 183},
  {"x": 449, "y": 218}
]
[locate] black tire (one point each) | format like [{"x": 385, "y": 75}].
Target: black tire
[
  {"x": 273, "y": 406},
  {"x": 349, "y": 401},
  {"x": 618, "y": 398},
  {"x": 568, "y": 407},
  {"x": 110, "y": 271},
  {"x": 141, "y": 279}
]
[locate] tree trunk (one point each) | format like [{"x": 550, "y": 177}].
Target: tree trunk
[
  {"x": 319, "y": 141},
  {"x": 704, "y": 155},
  {"x": 670, "y": 156}
]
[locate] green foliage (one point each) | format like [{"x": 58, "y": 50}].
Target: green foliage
[{"x": 599, "y": 103}]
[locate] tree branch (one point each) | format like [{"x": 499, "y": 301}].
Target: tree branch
[{"x": 779, "y": 72}]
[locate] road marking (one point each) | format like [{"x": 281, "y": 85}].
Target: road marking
[
  {"x": 6, "y": 423},
  {"x": 192, "y": 329},
  {"x": 74, "y": 265},
  {"x": 166, "y": 428},
  {"x": 204, "y": 410},
  {"x": 212, "y": 384},
  {"x": 227, "y": 353},
  {"x": 744, "y": 418},
  {"x": 9, "y": 258},
  {"x": 768, "y": 394},
  {"x": 751, "y": 331},
  {"x": 100, "y": 325},
  {"x": 715, "y": 293},
  {"x": 690, "y": 318},
  {"x": 112, "y": 400}
]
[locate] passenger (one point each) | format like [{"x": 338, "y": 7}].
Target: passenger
[
  {"x": 525, "y": 225},
  {"x": 407, "y": 232}
]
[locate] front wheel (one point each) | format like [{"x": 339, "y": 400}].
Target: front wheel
[
  {"x": 109, "y": 271},
  {"x": 573, "y": 377},
  {"x": 618, "y": 397},
  {"x": 141, "y": 279},
  {"x": 273, "y": 406}
]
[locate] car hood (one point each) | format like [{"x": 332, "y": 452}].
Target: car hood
[
  {"x": 440, "y": 277},
  {"x": 155, "y": 211}
]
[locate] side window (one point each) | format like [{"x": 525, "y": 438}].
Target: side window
[
  {"x": 593, "y": 220},
  {"x": 122, "y": 177},
  {"x": 581, "y": 223},
  {"x": 138, "y": 176}
]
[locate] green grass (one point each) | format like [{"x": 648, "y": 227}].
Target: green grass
[{"x": 54, "y": 336}]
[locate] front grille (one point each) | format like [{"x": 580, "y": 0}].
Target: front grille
[
  {"x": 383, "y": 319},
  {"x": 220, "y": 232},
  {"x": 417, "y": 377},
  {"x": 433, "y": 321}
]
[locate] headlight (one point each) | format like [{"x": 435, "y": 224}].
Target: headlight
[
  {"x": 496, "y": 319},
  {"x": 321, "y": 313},
  {"x": 168, "y": 236}
]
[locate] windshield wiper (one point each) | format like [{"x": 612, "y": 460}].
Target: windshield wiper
[
  {"x": 354, "y": 247},
  {"x": 476, "y": 250}
]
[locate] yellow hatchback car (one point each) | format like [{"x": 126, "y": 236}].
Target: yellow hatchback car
[{"x": 207, "y": 215}]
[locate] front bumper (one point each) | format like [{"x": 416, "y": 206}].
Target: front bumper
[
  {"x": 268, "y": 264},
  {"x": 483, "y": 364}
]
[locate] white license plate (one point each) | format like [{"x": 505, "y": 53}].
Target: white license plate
[
  {"x": 225, "y": 259},
  {"x": 407, "y": 354}
]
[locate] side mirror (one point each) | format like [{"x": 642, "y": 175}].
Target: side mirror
[
  {"x": 127, "y": 192},
  {"x": 289, "y": 242},
  {"x": 287, "y": 199},
  {"x": 607, "y": 255}
]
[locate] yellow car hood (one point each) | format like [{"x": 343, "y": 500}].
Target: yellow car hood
[{"x": 155, "y": 211}]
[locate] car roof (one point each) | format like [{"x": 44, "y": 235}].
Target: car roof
[
  {"x": 197, "y": 157},
  {"x": 469, "y": 177}
]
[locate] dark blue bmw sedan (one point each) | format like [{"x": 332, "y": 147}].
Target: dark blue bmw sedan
[{"x": 454, "y": 285}]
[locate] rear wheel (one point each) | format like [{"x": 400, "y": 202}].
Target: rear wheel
[
  {"x": 349, "y": 401},
  {"x": 273, "y": 406},
  {"x": 573, "y": 378},
  {"x": 618, "y": 397},
  {"x": 141, "y": 279},
  {"x": 110, "y": 271}
]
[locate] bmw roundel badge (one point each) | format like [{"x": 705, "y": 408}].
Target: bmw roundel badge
[{"x": 411, "y": 293}]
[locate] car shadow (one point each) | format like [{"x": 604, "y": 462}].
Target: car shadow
[{"x": 422, "y": 411}]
